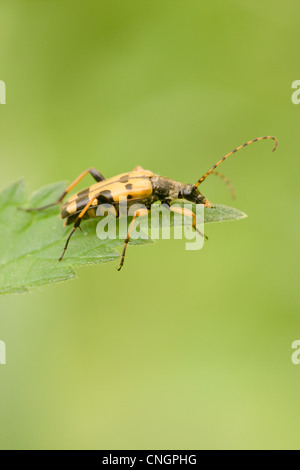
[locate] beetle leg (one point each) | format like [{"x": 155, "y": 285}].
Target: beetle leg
[
  {"x": 67, "y": 243},
  {"x": 95, "y": 174},
  {"x": 209, "y": 205},
  {"x": 188, "y": 213},
  {"x": 77, "y": 223},
  {"x": 138, "y": 213}
]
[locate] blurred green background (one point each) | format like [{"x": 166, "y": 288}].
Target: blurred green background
[{"x": 181, "y": 349}]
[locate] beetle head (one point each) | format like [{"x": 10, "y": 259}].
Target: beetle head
[{"x": 192, "y": 194}]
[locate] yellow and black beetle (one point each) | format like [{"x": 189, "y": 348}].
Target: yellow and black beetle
[{"x": 138, "y": 186}]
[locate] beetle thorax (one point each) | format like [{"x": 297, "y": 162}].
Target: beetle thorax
[{"x": 165, "y": 189}]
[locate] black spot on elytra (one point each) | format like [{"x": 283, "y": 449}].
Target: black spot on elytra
[
  {"x": 128, "y": 186},
  {"x": 124, "y": 179},
  {"x": 84, "y": 192},
  {"x": 70, "y": 220},
  {"x": 82, "y": 202},
  {"x": 64, "y": 213},
  {"x": 106, "y": 194},
  {"x": 129, "y": 196}
]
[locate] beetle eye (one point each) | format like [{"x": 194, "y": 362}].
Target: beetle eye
[{"x": 187, "y": 191}]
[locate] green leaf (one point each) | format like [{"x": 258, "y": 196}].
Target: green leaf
[
  {"x": 30, "y": 243},
  {"x": 219, "y": 213}
]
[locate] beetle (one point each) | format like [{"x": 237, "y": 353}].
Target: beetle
[{"x": 137, "y": 186}]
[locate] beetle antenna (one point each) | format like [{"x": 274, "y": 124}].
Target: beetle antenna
[
  {"x": 268, "y": 137},
  {"x": 227, "y": 182}
]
